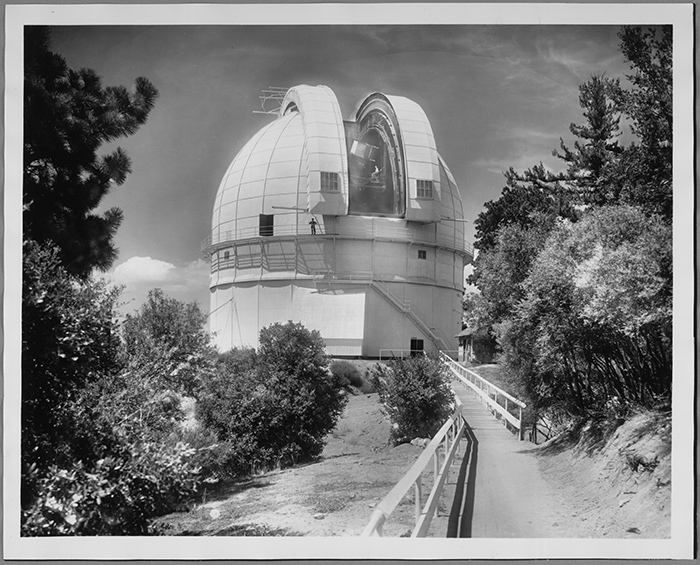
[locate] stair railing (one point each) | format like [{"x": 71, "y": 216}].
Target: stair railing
[{"x": 405, "y": 307}]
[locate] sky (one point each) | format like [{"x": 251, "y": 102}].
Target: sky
[{"x": 497, "y": 96}]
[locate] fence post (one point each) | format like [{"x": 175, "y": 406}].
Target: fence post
[
  {"x": 520, "y": 417},
  {"x": 418, "y": 504},
  {"x": 436, "y": 458}
]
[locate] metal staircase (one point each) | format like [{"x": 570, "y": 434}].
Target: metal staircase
[
  {"x": 324, "y": 280},
  {"x": 404, "y": 306}
]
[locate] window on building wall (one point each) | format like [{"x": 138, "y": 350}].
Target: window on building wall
[
  {"x": 227, "y": 255},
  {"x": 267, "y": 224},
  {"x": 424, "y": 189},
  {"x": 422, "y": 254},
  {"x": 329, "y": 182}
]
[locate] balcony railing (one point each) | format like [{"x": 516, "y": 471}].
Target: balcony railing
[{"x": 217, "y": 241}]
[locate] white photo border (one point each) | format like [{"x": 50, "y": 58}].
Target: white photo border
[{"x": 680, "y": 544}]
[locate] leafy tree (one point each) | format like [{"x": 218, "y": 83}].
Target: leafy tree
[
  {"x": 527, "y": 199},
  {"x": 166, "y": 327},
  {"x": 503, "y": 268},
  {"x": 475, "y": 310},
  {"x": 68, "y": 115},
  {"x": 417, "y": 396},
  {"x": 594, "y": 328},
  {"x": 102, "y": 448}
]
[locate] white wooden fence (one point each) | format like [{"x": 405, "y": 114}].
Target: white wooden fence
[
  {"x": 495, "y": 398},
  {"x": 445, "y": 441}
]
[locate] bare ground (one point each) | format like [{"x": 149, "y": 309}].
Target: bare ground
[
  {"x": 331, "y": 497},
  {"x": 620, "y": 490}
]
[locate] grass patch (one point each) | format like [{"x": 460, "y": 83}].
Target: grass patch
[{"x": 328, "y": 504}]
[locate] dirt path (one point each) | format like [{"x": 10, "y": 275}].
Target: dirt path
[{"x": 511, "y": 498}]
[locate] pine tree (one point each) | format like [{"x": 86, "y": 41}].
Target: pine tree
[
  {"x": 596, "y": 150},
  {"x": 68, "y": 115},
  {"x": 645, "y": 175}
]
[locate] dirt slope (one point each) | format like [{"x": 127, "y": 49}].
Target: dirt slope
[
  {"x": 332, "y": 497},
  {"x": 620, "y": 489}
]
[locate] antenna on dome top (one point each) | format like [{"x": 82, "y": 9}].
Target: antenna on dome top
[{"x": 271, "y": 100}]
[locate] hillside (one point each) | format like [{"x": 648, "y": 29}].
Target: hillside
[
  {"x": 618, "y": 489},
  {"x": 333, "y": 496}
]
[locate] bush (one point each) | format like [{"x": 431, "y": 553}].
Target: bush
[
  {"x": 69, "y": 340},
  {"x": 416, "y": 394},
  {"x": 485, "y": 345},
  {"x": 103, "y": 450},
  {"x": 273, "y": 408},
  {"x": 164, "y": 325},
  {"x": 119, "y": 495},
  {"x": 346, "y": 373}
]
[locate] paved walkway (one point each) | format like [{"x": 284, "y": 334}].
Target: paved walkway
[{"x": 510, "y": 497}]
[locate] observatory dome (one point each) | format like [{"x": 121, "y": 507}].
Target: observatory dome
[{"x": 330, "y": 221}]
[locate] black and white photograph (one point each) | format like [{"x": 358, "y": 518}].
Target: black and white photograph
[{"x": 349, "y": 281}]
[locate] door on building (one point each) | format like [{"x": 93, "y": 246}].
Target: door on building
[
  {"x": 416, "y": 346},
  {"x": 267, "y": 224}
]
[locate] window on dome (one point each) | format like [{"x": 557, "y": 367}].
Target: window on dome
[
  {"x": 416, "y": 346},
  {"x": 424, "y": 189},
  {"x": 267, "y": 224},
  {"x": 422, "y": 254},
  {"x": 329, "y": 181}
]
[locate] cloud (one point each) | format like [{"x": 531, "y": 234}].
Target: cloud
[
  {"x": 192, "y": 275},
  {"x": 143, "y": 270},
  {"x": 138, "y": 275}
]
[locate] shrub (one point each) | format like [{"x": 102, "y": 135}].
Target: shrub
[
  {"x": 69, "y": 340},
  {"x": 416, "y": 394},
  {"x": 119, "y": 495},
  {"x": 129, "y": 462},
  {"x": 166, "y": 325},
  {"x": 346, "y": 373},
  {"x": 273, "y": 412},
  {"x": 102, "y": 442}
]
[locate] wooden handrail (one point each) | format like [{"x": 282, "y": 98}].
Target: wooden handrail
[
  {"x": 462, "y": 374},
  {"x": 413, "y": 478},
  {"x": 457, "y": 366}
]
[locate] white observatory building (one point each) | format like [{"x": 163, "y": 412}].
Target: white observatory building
[{"x": 383, "y": 272}]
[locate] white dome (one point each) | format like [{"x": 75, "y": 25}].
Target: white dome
[{"x": 358, "y": 218}]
